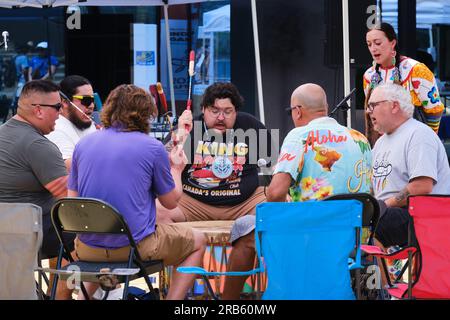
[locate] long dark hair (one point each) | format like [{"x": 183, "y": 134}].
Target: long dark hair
[
  {"x": 376, "y": 78},
  {"x": 389, "y": 32}
]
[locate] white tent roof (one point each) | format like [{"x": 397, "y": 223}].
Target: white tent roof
[
  {"x": 217, "y": 20},
  {"x": 58, "y": 3},
  {"x": 428, "y": 12}
]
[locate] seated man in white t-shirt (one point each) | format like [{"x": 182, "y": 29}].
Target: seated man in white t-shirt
[
  {"x": 72, "y": 125},
  {"x": 408, "y": 159}
]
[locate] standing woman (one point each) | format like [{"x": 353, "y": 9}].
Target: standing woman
[{"x": 414, "y": 76}]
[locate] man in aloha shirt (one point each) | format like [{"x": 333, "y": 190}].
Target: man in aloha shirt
[{"x": 318, "y": 158}]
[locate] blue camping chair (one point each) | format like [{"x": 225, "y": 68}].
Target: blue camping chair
[{"x": 306, "y": 248}]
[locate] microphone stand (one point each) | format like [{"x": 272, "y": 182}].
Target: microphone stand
[{"x": 343, "y": 103}]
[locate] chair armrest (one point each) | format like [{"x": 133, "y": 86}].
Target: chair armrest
[
  {"x": 397, "y": 255},
  {"x": 202, "y": 272}
]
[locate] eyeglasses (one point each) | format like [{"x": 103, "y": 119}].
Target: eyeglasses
[
  {"x": 289, "y": 109},
  {"x": 85, "y": 100},
  {"x": 227, "y": 113},
  {"x": 56, "y": 106},
  {"x": 371, "y": 105}
]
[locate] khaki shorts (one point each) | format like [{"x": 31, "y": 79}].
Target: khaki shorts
[
  {"x": 195, "y": 210},
  {"x": 170, "y": 243}
]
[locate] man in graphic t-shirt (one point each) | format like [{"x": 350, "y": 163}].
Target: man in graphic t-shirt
[
  {"x": 222, "y": 144},
  {"x": 408, "y": 159}
]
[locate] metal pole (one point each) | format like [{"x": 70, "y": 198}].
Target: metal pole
[
  {"x": 257, "y": 62},
  {"x": 169, "y": 59},
  {"x": 346, "y": 46}
]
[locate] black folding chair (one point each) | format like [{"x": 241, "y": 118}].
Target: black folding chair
[
  {"x": 87, "y": 215},
  {"x": 371, "y": 213}
]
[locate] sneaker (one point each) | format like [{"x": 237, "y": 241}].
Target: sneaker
[{"x": 115, "y": 294}]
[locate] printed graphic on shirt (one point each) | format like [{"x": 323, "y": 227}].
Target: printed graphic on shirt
[
  {"x": 326, "y": 162},
  {"x": 326, "y": 157},
  {"x": 381, "y": 171},
  {"x": 217, "y": 164}
]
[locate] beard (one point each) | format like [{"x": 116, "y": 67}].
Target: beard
[{"x": 77, "y": 122}]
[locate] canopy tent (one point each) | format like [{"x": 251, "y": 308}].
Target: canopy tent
[
  {"x": 165, "y": 3},
  {"x": 58, "y": 3},
  {"x": 429, "y": 12},
  {"x": 216, "y": 20}
]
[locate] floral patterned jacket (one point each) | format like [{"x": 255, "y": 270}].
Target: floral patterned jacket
[{"x": 420, "y": 82}]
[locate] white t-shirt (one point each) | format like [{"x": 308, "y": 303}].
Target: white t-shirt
[
  {"x": 412, "y": 150},
  {"x": 66, "y": 136}
]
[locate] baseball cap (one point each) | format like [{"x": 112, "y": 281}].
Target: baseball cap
[{"x": 242, "y": 227}]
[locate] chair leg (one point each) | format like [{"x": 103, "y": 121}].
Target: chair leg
[
  {"x": 410, "y": 263},
  {"x": 358, "y": 283},
  {"x": 125, "y": 290},
  {"x": 41, "y": 275},
  {"x": 210, "y": 289},
  {"x": 56, "y": 277},
  {"x": 84, "y": 291}
]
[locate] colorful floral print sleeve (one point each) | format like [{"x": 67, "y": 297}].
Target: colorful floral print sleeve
[
  {"x": 325, "y": 158},
  {"x": 419, "y": 81}
]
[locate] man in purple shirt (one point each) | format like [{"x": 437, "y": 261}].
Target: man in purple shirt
[{"x": 125, "y": 167}]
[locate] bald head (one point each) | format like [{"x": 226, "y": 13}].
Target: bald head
[
  {"x": 308, "y": 102},
  {"x": 310, "y": 96}
]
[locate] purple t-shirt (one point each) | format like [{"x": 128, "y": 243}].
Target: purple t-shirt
[{"x": 127, "y": 170}]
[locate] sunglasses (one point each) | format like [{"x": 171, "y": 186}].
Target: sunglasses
[
  {"x": 56, "y": 106},
  {"x": 85, "y": 100}
]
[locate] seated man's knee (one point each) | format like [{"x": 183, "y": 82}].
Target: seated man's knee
[
  {"x": 392, "y": 228},
  {"x": 199, "y": 240},
  {"x": 247, "y": 241},
  {"x": 242, "y": 232}
]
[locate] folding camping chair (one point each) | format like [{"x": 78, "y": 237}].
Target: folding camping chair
[
  {"x": 370, "y": 216},
  {"x": 305, "y": 247},
  {"x": 20, "y": 240},
  {"x": 428, "y": 251},
  {"x": 86, "y": 215}
]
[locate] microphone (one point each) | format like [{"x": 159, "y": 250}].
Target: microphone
[
  {"x": 5, "y": 35},
  {"x": 341, "y": 104},
  {"x": 162, "y": 96},
  {"x": 262, "y": 162}
]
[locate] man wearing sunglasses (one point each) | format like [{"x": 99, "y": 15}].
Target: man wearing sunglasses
[
  {"x": 75, "y": 121},
  {"x": 31, "y": 167}
]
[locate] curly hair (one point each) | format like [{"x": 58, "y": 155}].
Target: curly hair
[
  {"x": 222, "y": 90},
  {"x": 129, "y": 108}
]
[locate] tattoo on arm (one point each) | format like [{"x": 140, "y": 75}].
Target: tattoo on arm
[{"x": 402, "y": 195}]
